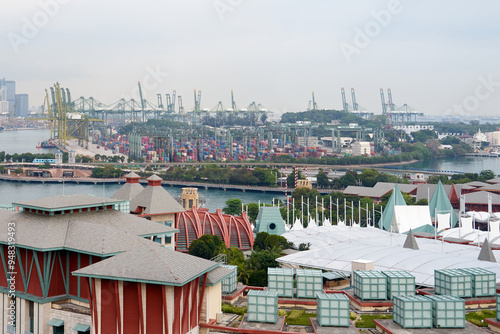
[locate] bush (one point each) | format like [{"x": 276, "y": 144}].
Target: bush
[
  {"x": 260, "y": 239},
  {"x": 299, "y": 317},
  {"x": 477, "y": 318},
  {"x": 207, "y": 246},
  {"x": 366, "y": 320},
  {"x": 258, "y": 278},
  {"x": 303, "y": 246},
  {"x": 228, "y": 308}
]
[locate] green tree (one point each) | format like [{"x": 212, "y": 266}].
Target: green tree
[
  {"x": 486, "y": 175},
  {"x": 423, "y": 135},
  {"x": 260, "y": 241},
  {"x": 347, "y": 180},
  {"x": 258, "y": 278},
  {"x": 18, "y": 170},
  {"x": 422, "y": 201},
  {"x": 234, "y": 256},
  {"x": 290, "y": 180},
  {"x": 277, "y": 242},
  {"x": 369, "y": 177},
  {"x": 322, "y": 179},
  {"x": 207, "y": 246},
  {"x": 233, "y": 207},
  {"x": 253, "y": 211}
]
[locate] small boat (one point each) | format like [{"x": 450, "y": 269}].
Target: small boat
[
  {"x": 47, "y": 144},
  {"x": 38, "y": 145}
]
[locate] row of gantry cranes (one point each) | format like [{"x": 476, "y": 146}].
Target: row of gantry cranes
[
  {"x": 171, "y": 105},
  {"x": 70, "y": 118},
  {"x": 403, "y": 114}
]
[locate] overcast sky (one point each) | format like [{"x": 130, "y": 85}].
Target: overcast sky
[{"x": 432, "y": 54}]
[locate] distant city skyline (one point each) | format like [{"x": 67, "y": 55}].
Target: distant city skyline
[{"x": 438, "y": 57}]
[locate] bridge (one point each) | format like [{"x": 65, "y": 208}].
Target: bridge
[{"x": 224, "y": 187}]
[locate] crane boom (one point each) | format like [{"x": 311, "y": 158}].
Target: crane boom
[{"x": 354, "y": 103}]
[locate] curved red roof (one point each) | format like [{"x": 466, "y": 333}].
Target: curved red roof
[{"x": 234, "y": 231}]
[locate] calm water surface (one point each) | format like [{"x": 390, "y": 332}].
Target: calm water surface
[{"x": 25, "y": 141}]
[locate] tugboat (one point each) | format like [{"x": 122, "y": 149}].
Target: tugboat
[{"x": 47, "y": 144}]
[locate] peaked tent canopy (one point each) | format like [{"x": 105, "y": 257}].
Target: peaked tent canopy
[
  {"x": 440, "y": 203},
  {"x": 395, "y": 199},
  {"x": 408, "y": 217}
]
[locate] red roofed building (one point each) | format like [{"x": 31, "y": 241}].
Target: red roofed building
[{"x": 234, "y": 231}]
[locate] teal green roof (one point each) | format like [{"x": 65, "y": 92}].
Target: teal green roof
[
  {"x": 423, "y": 229},
  {"x": 268, "y": 218},
  {"x": 56, "y": 322},
  {"x": 395, "y": 199},
  {"x": 81, "y": 328},
  {"x": 441, "y": 203}
]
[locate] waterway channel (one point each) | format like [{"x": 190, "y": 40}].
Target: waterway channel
[{"x": 26, "y": 140}]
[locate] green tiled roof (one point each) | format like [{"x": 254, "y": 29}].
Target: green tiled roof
[{"x": 268, "y": 218}]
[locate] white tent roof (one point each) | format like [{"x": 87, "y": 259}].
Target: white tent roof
[
  {"x": 408, "y": 217},
  {"x": 312, "y": 224},
  {"x": 335, "y": 247},
  {"x": 297, "y": 226}
]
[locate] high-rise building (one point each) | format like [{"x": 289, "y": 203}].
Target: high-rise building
[
  {"x": 8, "y": 93},
  {"x": 22, "y": 105}
]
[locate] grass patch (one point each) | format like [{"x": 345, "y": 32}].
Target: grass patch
[
  {"x": 228, "y": 308},
  {"x": 366, "y": 320},
  {"x": 353, "y": 316},
  {"x": 299, "y": 317},
  {"x": 477, "y": 318}
]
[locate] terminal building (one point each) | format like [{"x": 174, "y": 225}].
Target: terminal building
[{"x": 83, "y": 264}]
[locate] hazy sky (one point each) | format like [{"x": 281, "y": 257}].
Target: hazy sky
[{"x": 432, "y": 54}]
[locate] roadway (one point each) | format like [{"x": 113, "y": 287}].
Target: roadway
[{"x": 224, "y": 187}]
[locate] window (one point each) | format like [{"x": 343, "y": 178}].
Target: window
[
  {"x": 59, "y": 330},
  {"x": 31, "y": 315},
  {"x": 157, "y": 239},
  {"x": 168, "y": 240}
]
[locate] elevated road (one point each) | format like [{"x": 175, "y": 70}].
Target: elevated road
[{"x": 165, "y": 183}]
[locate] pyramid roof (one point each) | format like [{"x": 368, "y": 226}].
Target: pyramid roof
[
  {"x": 411, "y": 242},
  {"x": 440, "y": 203},
  {"x": 395, "y": 199},
  {"x": 486, "y": 253}
]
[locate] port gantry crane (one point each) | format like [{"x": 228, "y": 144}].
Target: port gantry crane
[
  {"x": 65, "y": 121},
  {"x": 356, "y": 108},
  {"x": 397, "y": 115}
]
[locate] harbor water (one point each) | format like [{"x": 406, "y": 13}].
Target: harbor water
[{"x": 26, "y": 140}]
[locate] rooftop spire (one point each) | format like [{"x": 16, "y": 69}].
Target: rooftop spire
[
  {"x": 486, "y": 253},
  {"x": 411, "y": 242}
]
